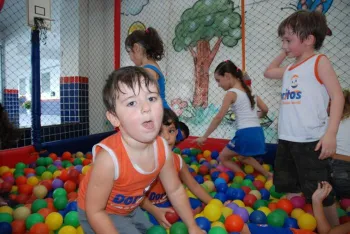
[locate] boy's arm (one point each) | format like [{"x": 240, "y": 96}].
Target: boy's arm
[
  {"x": 341, "y": 229},
  {"x": 322, "y": 191},
  {"x": 177, "y": 195},
  {"x": 262, "y": 106},
  {"x": 98, "y": 191},
  {"x": 328, "y": 77},
  {"x": 274, "y": 71},
  {"x": 192, "y": 184},
  {"x": 158, "y": 213}
]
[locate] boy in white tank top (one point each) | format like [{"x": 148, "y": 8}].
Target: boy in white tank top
[{"x": 306, "y": 137}]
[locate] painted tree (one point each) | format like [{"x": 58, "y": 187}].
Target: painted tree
[{"x": 204, "y": 21}]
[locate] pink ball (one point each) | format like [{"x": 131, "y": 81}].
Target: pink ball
[
  {"x": 298, "y": 202},
  {"x": 345, "y": 203},
  {"x": 220, "y": 168}
]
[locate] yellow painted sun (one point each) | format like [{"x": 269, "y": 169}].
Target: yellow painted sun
[{"x": 137, "y": 25}]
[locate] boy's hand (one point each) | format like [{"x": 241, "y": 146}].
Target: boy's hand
[
  {"x": 328, "y": 145},
  {"x": 195, "y": 230},
  {"x": 322, "y": 191},
  {"x": 200, "y": 140},
  {"x": 160, "y": 216}
]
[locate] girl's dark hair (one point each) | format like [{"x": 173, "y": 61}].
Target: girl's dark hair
[
  {"x": 229, "y": 67},
  {"x": 150, "y": 41},
  {"x": 9, "y": 134},
  {"x": 170, "y": 117},
  {"x": 346, "y": 111}
]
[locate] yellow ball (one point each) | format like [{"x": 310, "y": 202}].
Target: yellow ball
[
  {"x": 218, "y": 224},
  {"x": 190, "y": 194},
  {"x": 266, "y": 167},
  {"x": 12, "y": 170},
  {"x": 248, "y": 169},
  {"x": 296, "y": 213},
  {"x": 226, "y": 211},
  {"x": 195, "y": 168},
  {"x": 4, "y": 169},
  {"x": 40, "y": 191},
  {"x": 199, "y": 215},
  {"x": 206, "y": 153},
  {"x": 85, "y": 169},
  {"x": 47, "y": 175},
  {"x": 14, "y": 188},
  {"x": 56, "y": 174},
  {"x": 80, "y": 230},
  {"x": 33, "y": 180},
  {"x": 216, "y": 202},
  {"x": 67, "y": 230},
  {"x": 307, "y": 222},
  {"x": 239, "y": 203},
  {"x": 213, "y": 162},
  {"x": 265, "y": 209},
  {"x": 208, "y": 178},
  {"x": 79, "y": 154},
  {"x": 54, "y": 221},
  {"x": 261, "y": 178},
  {"x": 256, "y": 193},
  {"x": 21, "y": 213},
  {"x": 268, "y": 184},
  {"x": 249, "y": 209},
  {"x": 212, "y": 212},
  {"x": 6, "y": 209}
]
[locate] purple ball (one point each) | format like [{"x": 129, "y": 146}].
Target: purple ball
[
  {"x": 57, "y": 183},
  {"x": 298, "y": 202},
  {"x": 243, "y": 213},
  {"x": 32, "y": 165},
  {"x": 30, "y": 175},
  {"x": 79, "y": 168},
  {"x": 57, "y": 163},
  {"x": 10, "y": 179},
  {"x": 232, "y": 206}
]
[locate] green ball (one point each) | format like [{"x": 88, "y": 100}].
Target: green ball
[
  {"x": 205, "y": 187},
  {"x": 177, "y": 151},
  {"x": 235, "y": 185},
  {"x": 72, "y": 219},
  {"x": 194, "y": 152},
  {"x": 178, "y": 228},
  {"x": 187, "y": 160},
  {"x": 222, "y": 219},
  {"x": 275, "y": 219},
  {"x": 68, "y": 164},
  {"x": 238, "y": 180},
  {"x": 212, "y": 194},
  {"x": 275, "y": 194},
  {"x": 281, "y": 213},
  {"x": 341, "y": 212},
  {"x": 38, "y": 204},
  {"x": 260, "y": 203},
  {"x": 17, "y": 174},
  {"x": 20, "y": 166},
  {"x": 60, "y": 202},
  {"x": 247, "y": 182},
  {"x": 41, "y": 161},
  {"x": 6, "y": 217},
  {"x": 59, "y": 192},
  {"x": 156, "y": 230},
  {"x": 34, "y": 219},
  {"x": 77, "y": 161},
  {"x": 40, "y": 170},
  {"x": 52, "y": 168},
  {"x": 48, "y": 161},
  {"x": 217, "y": 230}
]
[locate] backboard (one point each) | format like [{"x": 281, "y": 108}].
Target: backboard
[{"x": 39, "y": 9}]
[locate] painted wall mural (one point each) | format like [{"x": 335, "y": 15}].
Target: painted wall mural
[{"x": 132, "y": 7}]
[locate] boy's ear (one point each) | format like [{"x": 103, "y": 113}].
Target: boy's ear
[
  {"x": 113, "y": 119},
  {"x": 310, "y": 40}
]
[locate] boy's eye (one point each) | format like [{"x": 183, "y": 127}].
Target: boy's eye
[
  {"x": 152, "y": 99},
  {"x": 131, "y": 103}
]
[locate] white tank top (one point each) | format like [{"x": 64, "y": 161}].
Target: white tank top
[
  {"x": 343, "y": 138},
  {"x": 246, "y": 117},
  {"x": 304, "y": 100}
]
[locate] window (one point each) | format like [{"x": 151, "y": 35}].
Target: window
[{"x": 45, "y": 83}]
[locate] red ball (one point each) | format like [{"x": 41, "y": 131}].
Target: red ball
[
  {"x": 47, "y": 184},
  {"x": 258, "y": 184},
  {"x": 25, "y": 189},
  {"x": 246, "y": 189},
  {"x": 249, "y": 200},
  {"x": 6, "y": 187},
  {"x": 224, "y": 176},
  {"x": 70, "y": 186},
  {"x": 73, "y": 175},
  {"x": 344, "y": 219},
  {"x": 285, "y": 205},
  {"x": 234, "y": 223},
  {"x": 203, "y": 170},
  {"x": 39, "y": 228},
  {"x": 66, "y": 156},
  {"x": 308, "y": 209},
  {"x": 21, "y": 180},
  {"x": 18, "y": 226},
  {"x": 172, "y": 217},
  {"x": 22, "y": 198},
  {"x": 345, "y": 203}
]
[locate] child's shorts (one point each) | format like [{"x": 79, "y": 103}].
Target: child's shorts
[
  {"x": 341, "y": 177},
  {"x": 298, "y": 169},
  {"x": 248, "y": 142},
  {"x": 134, "y": 223}
]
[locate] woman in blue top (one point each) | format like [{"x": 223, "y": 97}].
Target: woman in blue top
[{"x": 145, "y": 48}]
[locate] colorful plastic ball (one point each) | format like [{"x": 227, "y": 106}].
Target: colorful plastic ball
[
  {"x": 265, "y": 194},
  {"x": 285, "y": 205},
  {"x": 275, "y": 219},
  {"x": 221, "y": 196},
  {"x": 212, "y": 212},
  {"x": 178, "y": 228},
  {"x": 47, "y": 175},
  {"x": 79, "y": 168},
  {"x": 345, "y": 203},
  {"x": 40, "y": 170},
  {"x": 71, "y": 219},
  {"x": 307, "y": 222},
  {"x": 234, "y": 223},
  {"x": 38, "y": 204},
  {"x": 214, "y": 154},
  {"x": 290, "y": 223},
  {"x": 260, "y": 203},
  {"x": 222, "y": 188},
  {"x": 226, "y": 211},
  {"x": 20, "y": 165},
  {"x": 266, "y": 210},
  {"x": 40, "y": 191},
  {"x": 40, "y": 161},
  {"x": 297, "y": 212},
  {"x": 5, "y": 217},
  {"x": 6, "y": 209},
  {"x": 156, "y": 229},
  {"x": 256, "y": 193},
  {"x": 243, "y": 213},
  {"x": 33, "y": 219},
  {"x": 39, "y": 228},
  {"x": 248, "y": 169},
  {"x": 203, "y": 223},
  {"x": 268, "y": 184},
  {"x": 258, "y": 217},
  {"x": 54, "y": 221},
  {"x": 249, "y": 200},
  {"x": 5, "y": 228},
  {"x": 21, "y": 180},
  {"x": 33, "y": 181},
  {"x": 298, "y": 201},
  {"x": 216, "y": 202},
  {"x": 60, "y": 202},
  {"x": 21, "y": 213},
  {"x": 232, "y": 206},
  {"x": 240, "y": 203},
  {"x": 258, "y": 184},
  {"x": 69, "y": 186},
  {"x": 274, "y": 193},
  {"x": 57, "y": 183},
  {"x": 72, "y": 206},
  {"x": 48, "y": 161},
  {"x": 240, "y": 194},
  {"x": 67, "y": 230}
]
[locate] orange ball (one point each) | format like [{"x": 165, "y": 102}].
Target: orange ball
[
  {"x": 88, "y": 155},
  {"x": 21, "y": 180},
  {"x": 285, "y": 205},
  {"x": 66, "y": 156},
  {"x": 28, "y": 170},
  {"x": 18, "y": 226},
  {"x": 70, "y": 186},
  {"x": 72, "y": 196},
  {"x": 53, "y": 156},
  {"x": 25, "y": 189},
  {"x": 47, "y": 184},
  {"x": 86, "y": 162},
  {"x": 241, "y": 174},
  {"x": 224, "y": 176},
  {"x": 39, "y": 228},
  {"x": 44, "y": 212},
  {"x": 234, "y": 223},
  {"x": 272, "y": 206},
  {"x": 64, "y": 175}
]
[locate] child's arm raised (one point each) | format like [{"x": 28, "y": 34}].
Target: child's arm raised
[
  {"x": 98, "y": 191},
  {"x": 274, "y": 71},
  {"x": 158, "y": 213},
  {"x": 229, "y": 98},
  {"x": 262, "y": 106},
  {"x": 327, "y": 75},
  {"x": 177, "y": 195},
  {"x": 193, "y": 185}
]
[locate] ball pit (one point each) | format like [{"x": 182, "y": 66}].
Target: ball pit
[{"x": 43, "y": 194}]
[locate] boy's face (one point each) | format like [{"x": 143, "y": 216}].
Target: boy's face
[
  {"x": 291, "y": 44},
  {"x": 169, "y": 134},
  {"x": 138, "y": 114}
]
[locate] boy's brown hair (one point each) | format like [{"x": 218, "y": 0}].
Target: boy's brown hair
[
  {"x": 305, "y": 23},
  {"x": 346, "y": 111},
  {"x": 132, "y": 77}
]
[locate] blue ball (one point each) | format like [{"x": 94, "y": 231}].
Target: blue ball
[
  {"x": 258, "y": 217},
  {"x": 193, "y": 159},
  {"x": 5, "y": 228},
  {"x": 62, "y": 212},
  {"x": 290, "y": 223},
  {"x": 190, "y": 169},
  {"x": 231, "y": 194},
  {"x": 249, "y": 177},
  {"x": 203, "y": 223},
  {"x": 214, "y": 154},
  {"x": 221, "y": 188},
  {"x": 219, "y": 181},
  {"x": 240, "y": 194},
  {"x": 215, "y": 175},
  {"x": 221, "y": 196},
  {"x": 265, "y": 195},
  {"x": 199, "y": 179},
  {"x": 186, "y": 151},
  {"x": 230, "y": 174},
  {"x": 72, "y": 206},
  {"x": 195, "y": 203}
]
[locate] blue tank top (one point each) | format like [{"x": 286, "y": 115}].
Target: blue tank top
[{"x": 161, "y": 84}]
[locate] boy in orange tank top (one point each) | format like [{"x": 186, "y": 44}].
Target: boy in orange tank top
[
  {"x": 157, "y": 203},
  {"x": 127, "y": 163}
]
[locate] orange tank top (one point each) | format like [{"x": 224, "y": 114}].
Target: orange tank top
[
  {"x": 131, "y": 182},
  {"x": 157, "y": 194}
]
